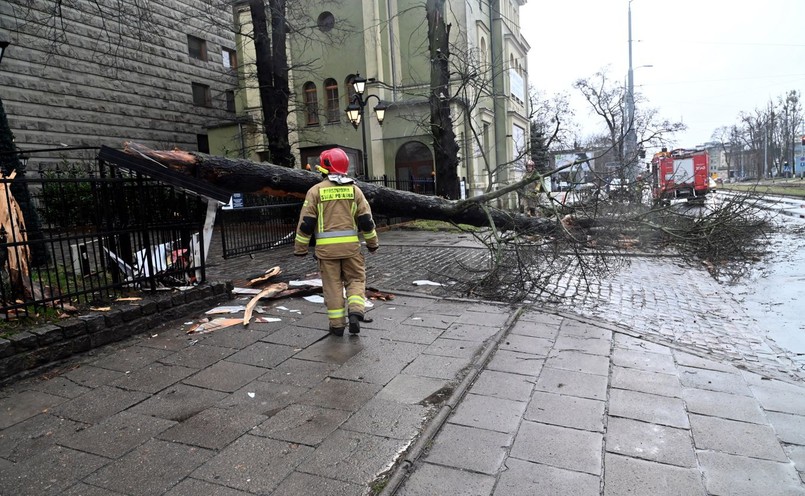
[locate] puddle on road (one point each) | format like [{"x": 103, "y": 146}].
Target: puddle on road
[{"x": 774, "y": 297}]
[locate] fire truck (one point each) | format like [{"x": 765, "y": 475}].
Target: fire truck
[{"x": 680, "y": 174}]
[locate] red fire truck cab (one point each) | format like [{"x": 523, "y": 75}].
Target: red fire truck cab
[{"x": 681, "y": 174}]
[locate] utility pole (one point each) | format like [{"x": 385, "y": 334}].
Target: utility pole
[
  {"x": 630, "y": 141},
  {"x": 765, "y": 151}
]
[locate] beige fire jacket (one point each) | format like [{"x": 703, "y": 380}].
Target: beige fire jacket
[{"x": 334, "y": 214}]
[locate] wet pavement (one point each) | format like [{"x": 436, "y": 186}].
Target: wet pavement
[
  {"x": 772, "y": 296},
  {"x": 441, "y": 395},
  {"x": 566, "y": 407}
]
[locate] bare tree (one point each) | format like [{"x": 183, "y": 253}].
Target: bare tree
[
  {"x": 755, "y": 136},
  {"x": 791, "y": 122},
  {"x": 607, "y": 100},
  {"x": 728, "y": 138},
  {"x": 763, "y": 140}
]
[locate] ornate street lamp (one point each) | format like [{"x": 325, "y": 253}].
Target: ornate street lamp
[{"x": 355, "y": 113}]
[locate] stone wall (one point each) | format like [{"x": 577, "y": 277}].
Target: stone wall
[
  {"x": 101, "y": 73},
  {"x": 29, "y": 350}
]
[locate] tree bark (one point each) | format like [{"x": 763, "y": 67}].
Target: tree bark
[
  {"x": 272, "y": 77},
  {"x": 445, "y": 147},
  {"x": 278, "y": 138},
  {"x": 244, "y": 176}
]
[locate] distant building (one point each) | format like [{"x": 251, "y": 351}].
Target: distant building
[
  {"x": 718, "y": 159},
  {"x": 172, "y": 74}
]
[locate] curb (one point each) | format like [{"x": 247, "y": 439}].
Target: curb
[
  {"x": 32, "y": 351},
  {"x": 435, "y": 425}
]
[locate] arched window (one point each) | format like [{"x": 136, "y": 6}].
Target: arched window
[
  {"x": 350, "y": 88},
  {"x": 311, "y": 104},
  {"x": 483, "y": 53},
  {"x": 331, "y": 94}
]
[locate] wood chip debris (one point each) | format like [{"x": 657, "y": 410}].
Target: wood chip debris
[
  {"x": 213, "y": 325},
  {"x": 226, "y": 309},
  {"x": 374, "y": 294},
  {"x": 267, "y": 320},
  {"x": 273, "y": 271},
  {"x": 273, "y": 289},
  {"x": 245, "y": 291}
]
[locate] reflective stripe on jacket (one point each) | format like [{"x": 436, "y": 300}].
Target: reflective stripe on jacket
[{"x": 336, "y": 209}]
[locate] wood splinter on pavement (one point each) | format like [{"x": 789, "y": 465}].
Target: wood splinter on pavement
[
  {"x": 212, "y": 325},
  {"x": 271, "y": 290},
  {"x": 273, "y": 271},
  {"x": 374, "y": 294}
]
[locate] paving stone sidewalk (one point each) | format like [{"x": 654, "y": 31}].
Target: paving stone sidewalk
[
  {"x": 272, "y": 408},
  {"x": 506, "y": 401},
  {"x": 568, "y": 407},
  {"x": 665, "y": 301}
]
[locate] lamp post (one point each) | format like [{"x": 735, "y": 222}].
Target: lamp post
[
  {"x": 355, "y": 113},
  {"x": 631, "y": 136},
  {"x": 630, "y": 143}
]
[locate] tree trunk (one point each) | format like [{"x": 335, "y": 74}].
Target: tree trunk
[
  {"x": 244, "y": 176},
  {"x": 278, "y": 133},
  {"x": 10, "y": 162},
  {"x": 444, "y": 139},
  {"x": 272, "y": 77}
]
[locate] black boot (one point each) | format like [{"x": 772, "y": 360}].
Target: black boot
[
  {"x": 338, "y": 331},
  {"x": 355, "y": 323}
]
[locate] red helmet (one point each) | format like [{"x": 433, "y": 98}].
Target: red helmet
[{"x": 335, "y": 160}]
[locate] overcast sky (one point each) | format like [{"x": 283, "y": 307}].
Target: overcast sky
[{"x": 711, "y": 59}]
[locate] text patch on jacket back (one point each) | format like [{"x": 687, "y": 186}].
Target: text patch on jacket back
[{"x": 337, "y": 193}]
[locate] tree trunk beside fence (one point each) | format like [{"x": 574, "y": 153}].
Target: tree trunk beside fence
[
  {"x": 13, "y": 224},
  {"x": 244, "y": 176}
]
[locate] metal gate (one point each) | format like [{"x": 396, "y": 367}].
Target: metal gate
[{"x": 253, "y": 223}]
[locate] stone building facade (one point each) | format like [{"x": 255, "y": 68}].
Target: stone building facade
[
  {"x": 169, "y": 73},
  {"x": 91, "y": 73},
  {"x": 387, "y": 43}
]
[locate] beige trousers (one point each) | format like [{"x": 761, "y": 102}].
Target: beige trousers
[{"x": 336, "y": 276}]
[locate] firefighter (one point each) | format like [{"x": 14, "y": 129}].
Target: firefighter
[{"x": 335, "y": 210}]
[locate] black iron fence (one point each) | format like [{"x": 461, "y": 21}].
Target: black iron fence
[
  {"x": 424, "y": 186},
  {"x": 421, "y": 186},
  {"x": 90, "y": 230},
  {"x": 85, "y": 233},
  {"x": 254, "y": 222}
]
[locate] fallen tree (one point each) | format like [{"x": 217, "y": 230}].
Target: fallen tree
[
  {"x": 245, "y": 176},
  {"x": 581, "y": 240}
]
